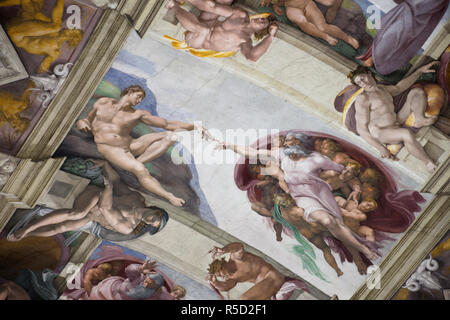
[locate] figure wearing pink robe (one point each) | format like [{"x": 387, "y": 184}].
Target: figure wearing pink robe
[
  {"x": 312, "y": 193},
  {"x": 309, "y": 191},
  {"x": 116, "y": 287}
]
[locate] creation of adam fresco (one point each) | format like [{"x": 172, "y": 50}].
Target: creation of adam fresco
[{"x": 224, "y": 150}]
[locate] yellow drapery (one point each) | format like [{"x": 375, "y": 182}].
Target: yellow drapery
[{"x": 202, "y": 53}]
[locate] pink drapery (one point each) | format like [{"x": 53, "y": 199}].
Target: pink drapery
[{"x": 109, "y": 253}]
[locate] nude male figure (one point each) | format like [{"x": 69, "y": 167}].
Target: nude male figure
[
  {"x": 122, "y": 212},
  {"x": 111, "y": 122},
  {"x": 244, "y": 267},
  {"x": 232, "y": 34},
  {"x": 308, "y": 17},
  {"x": 38, "y": 34},
  {"x": 378, "y": 124}
]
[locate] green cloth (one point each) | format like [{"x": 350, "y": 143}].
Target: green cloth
[
  {"x": 304, "y": 251},
  {"x": 337, "y": 193}
]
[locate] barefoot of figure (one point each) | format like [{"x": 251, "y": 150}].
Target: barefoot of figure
[
  {"x": 353, "y": 42},
  {"x": 178, "y": 202},
  {"x": 331, "y": 41},
  {"x": 426, "y": 121}
]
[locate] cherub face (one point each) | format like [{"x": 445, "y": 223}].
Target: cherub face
[
  {"x": 327, "y": 146},
  {"x": 318, "y": 145},
  {"x": 367, "y": 206},
  {"x": 277, "y": 141},
  {"x": 347, "y": 173}
]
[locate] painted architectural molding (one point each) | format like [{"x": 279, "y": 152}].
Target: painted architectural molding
[
  {"x": 439, "y": 182},
  {"x": 405, "y": 257},
  {"x": 106, "y": 4},
  {"x": 95, "y": 60},
  {"x": 436, "y": 48},
  {"x": 31, "y": 179},
  {"x": 140, "y": 13},
  {"x": 424, "y": 277},
  {"x": 286, "y": 79},
  {"x": 49, "y": 84},
  {"x": 7, "y": 166},
  {"x": 27, "y": 183},
  {"x": 11, "y": 68}
]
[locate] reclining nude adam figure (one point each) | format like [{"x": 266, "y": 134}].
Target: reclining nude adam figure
[
  {"x": 232, "y": 34},
  {"x": 111, "y": 123}
]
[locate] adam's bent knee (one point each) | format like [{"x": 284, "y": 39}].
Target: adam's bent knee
[
  {"x": 171, "y": 137},
  {"x": 138, "y": 169}
]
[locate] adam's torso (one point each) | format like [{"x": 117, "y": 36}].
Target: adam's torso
[{"x": 112, "y": 126}]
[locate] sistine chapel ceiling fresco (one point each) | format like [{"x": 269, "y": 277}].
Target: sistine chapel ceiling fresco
[{"x": 217, "y": 149}]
